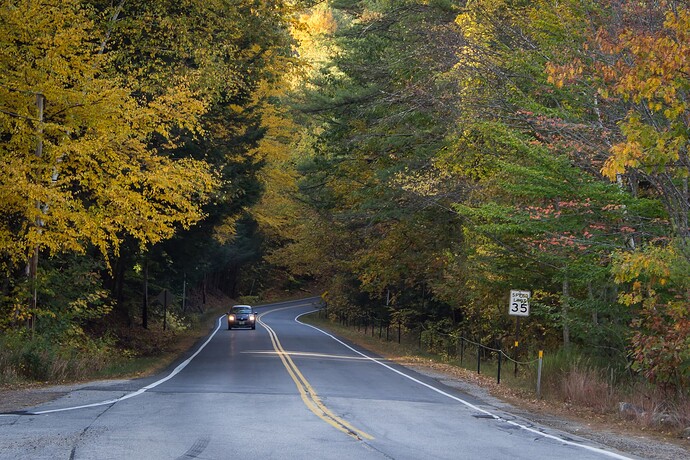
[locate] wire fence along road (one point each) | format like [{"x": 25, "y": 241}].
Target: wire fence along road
[{"x": 452, "y": 347}]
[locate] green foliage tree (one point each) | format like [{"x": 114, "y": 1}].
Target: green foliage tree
[{"x": 459, "y": 151}]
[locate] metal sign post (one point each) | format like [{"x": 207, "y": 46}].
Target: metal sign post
[{"x": 517, "y": 343}]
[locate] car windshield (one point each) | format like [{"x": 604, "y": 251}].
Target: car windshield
[{"x": 241, "y": 310}]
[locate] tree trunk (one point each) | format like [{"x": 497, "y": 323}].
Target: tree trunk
[
  {"x": 145, "y": 306},
  {"x": 565, "y": 306},
  {"x": 203, "y": 295},
  {"x": 684, "y": 224},
  {"x": 118, "y": 290},
  {"x": 592, "y": 302}
]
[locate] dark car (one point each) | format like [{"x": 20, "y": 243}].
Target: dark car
[{"x": 241, "y": 316}]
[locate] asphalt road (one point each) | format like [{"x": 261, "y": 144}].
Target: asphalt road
[{"x": 283, "y": 391}]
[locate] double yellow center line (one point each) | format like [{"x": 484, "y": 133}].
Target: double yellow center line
[{"x": 309, "y": 396}]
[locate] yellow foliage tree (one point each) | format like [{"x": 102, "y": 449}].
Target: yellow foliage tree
[{"x": 76, "y": 166}]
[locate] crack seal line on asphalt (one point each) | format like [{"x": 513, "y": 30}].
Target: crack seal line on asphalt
[
  {"x": 469, "y": 404},
  {"x": 309, "y": 396},
  {"x": 138, "y": 392}
]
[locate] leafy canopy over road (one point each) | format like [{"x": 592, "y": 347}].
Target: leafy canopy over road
[{"x": 419, "y": 159}]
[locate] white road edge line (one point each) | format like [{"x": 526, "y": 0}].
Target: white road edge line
[
  {"x": 175, "y": 371},
  {"x": 466, "y": 403}
]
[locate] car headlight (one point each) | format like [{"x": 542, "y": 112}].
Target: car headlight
[
  {"x": 231, "y": 317},
  {"x": 252, "y": 317}
]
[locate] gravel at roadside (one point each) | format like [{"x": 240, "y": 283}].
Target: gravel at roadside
[{"x": 641, "y": 446}]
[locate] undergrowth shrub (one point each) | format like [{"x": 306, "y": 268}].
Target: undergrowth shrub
[
  {"x": 8, "y": 372},
  {"x": 144, "y": 342},
  {"x": 41, "y": 358}
]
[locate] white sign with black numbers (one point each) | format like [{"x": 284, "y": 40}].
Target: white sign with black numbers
[{"x": 519, "y": 303}]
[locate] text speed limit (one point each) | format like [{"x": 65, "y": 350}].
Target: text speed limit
[{"x": 519, "y": 303}]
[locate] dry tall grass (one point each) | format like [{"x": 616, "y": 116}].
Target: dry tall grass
[
  {"x": 657, "y": 408},
  {"x": 587, "y": 387},
  {"x": 581, "y": 383}
]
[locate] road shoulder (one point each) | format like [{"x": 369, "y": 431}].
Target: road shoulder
[{"x": 634, "y": 442}]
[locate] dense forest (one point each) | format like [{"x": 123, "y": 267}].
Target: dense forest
[{"x": 415, "y": 160}]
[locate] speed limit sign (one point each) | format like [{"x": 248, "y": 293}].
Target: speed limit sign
[{"x": 519, "y": 303}]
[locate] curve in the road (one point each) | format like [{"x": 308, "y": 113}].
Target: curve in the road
[{"x": 309, "y": 396}]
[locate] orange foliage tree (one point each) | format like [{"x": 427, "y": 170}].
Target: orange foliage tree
[{"x": 638, "y": 63}]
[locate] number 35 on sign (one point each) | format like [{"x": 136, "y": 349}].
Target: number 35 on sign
[{"x": 519, "y": 303}]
